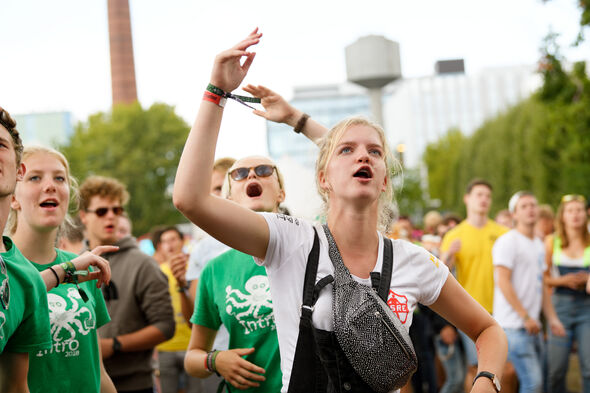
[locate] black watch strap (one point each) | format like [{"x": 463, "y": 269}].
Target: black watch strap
[
  {"x": 492, "y": 377},
  {"x": 116, "y": 345}
]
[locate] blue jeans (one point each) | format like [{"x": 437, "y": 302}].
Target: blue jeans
[
  {"x": 574, "y": 313},
  {"x": 525, "y": 352},
  {"x": 171, "y": 365},
  {"x": 451, "y": 358}
]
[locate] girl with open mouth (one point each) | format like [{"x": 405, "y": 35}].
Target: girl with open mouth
[{"x": 354, "y": 177}]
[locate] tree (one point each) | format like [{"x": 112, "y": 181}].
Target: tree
[
  {"x": 541, "y": 145},
  {"x": 139, "y": 147}
]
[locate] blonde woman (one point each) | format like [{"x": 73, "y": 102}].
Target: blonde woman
[
  {"x": 354, "y": 172},
  {"x": 39, "y": 207},
  {"x": 568, "y": 267}
]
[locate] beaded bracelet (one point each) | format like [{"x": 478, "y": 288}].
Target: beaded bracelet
[{"x": 210, "y": 361}]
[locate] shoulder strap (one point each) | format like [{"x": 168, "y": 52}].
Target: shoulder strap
[
  {"x": 386, "y": 269},
  {"x": 556, "y": 249},
  {"x": 311, "y": 271}
]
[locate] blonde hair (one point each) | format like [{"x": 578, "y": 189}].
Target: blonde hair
[
  {"x": 560, "y": 226},
  {"x": 432, "y": 219},
  {"x": 223, "y": 164},
  {"x": 74, "y": 201},
  {"x": 327, "y": 145}
]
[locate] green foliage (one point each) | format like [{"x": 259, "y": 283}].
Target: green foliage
[
  {"x": 410, "y": 195},
  {"x": 542, "y": 145},
  {"x": 139, "y": 147}
]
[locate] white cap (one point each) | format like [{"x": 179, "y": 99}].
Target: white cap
[{"x": 515, "y": 198}]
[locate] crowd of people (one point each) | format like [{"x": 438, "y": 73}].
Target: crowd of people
[{"x": 478, "y": 304}]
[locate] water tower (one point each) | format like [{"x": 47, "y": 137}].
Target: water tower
[{"x": 373, "y": 62}]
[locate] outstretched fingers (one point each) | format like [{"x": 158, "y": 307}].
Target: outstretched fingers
[
  {"x": 249, "y": 59},
  {"x": 252, "y": 39},
  {"x": 104, "y": 249},
  {"x": 103, "y": 272}
]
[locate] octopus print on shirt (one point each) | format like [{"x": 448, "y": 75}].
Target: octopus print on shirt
[
  {"x": 252, "y": 309},
  {"x": 235, "y": 292},
  {"x": 72, "y": 363}
]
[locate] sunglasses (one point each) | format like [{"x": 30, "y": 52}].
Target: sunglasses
[
  {"x": 263, "y": 170},
  {"x": 102, "y": 211},
  {"x": 573, "y": 197},
  {"x": 4, "y": 287}
]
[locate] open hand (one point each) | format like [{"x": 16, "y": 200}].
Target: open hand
[
  {"x": 228, "y": 72},
  {"x": 102, "y": 271},
  {"x": 238, "y": 371},
  {"x": 277, "y": 108}
]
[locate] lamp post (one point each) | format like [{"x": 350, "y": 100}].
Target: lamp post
[{"x": 401, "y": 148}]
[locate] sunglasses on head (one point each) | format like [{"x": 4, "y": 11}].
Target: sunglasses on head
[
  {"x": 5, "y": 286},
  {"x": 263, "y": 170},
  {"x": 102, "y": 211},
  {"x": 573, "y": 197}
]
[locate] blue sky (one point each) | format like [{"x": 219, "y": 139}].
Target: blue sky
[{"x": 55, "y": 54}]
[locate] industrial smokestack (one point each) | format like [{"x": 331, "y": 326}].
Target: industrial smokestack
[{"x": 121, "y": 44}]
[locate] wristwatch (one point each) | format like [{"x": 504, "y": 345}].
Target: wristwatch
[
  {"x": 117, "y": 345},
  {"x": 495, "y": 380}
]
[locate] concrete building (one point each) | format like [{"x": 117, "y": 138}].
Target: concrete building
[
  {"x": 46, "y": 129},
  {"x": 416, "y": 111}
]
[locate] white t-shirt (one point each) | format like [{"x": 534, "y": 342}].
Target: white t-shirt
[
  {"x": 525, "y": 257},
  {"x": 205, "y": 250},
  {"x": 417, "y": 276}
]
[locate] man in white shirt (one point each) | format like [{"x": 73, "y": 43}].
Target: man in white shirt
[{"x": 520, "y": 293}]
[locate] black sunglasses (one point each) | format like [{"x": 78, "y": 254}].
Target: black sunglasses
[
  {"x": 5, "y": 286},
  {"x": 263, "y": 170},
  {"x": 102, "y": 211}
]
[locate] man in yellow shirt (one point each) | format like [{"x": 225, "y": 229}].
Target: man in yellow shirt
[
  {"x": 169, "y": 242},
  {"x": 468, "y": 247}
]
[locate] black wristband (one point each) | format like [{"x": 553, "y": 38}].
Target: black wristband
[
  {"x": 56, "y": 276},
  {"x": 116, "y": 345},
  {"x": 492, "y": 377}
]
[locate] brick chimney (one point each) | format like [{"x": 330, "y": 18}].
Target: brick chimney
[{"x": 121, "y": 44}]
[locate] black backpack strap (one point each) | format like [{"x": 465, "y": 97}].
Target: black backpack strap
[
  {"x": 386, "y": 269},
  {"x": 311, "y": 271},
  {"x": 320, "y": 285}
]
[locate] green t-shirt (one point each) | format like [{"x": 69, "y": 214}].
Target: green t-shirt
[
  {"x": 24, "y": 322},
  {"x": 72, "y": 363},
  {"x": 234, "y": 290}
]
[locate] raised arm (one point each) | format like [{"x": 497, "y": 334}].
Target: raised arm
[
  {"x": 280, "y": 111},
  {"x": 236, "y": 226}
]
